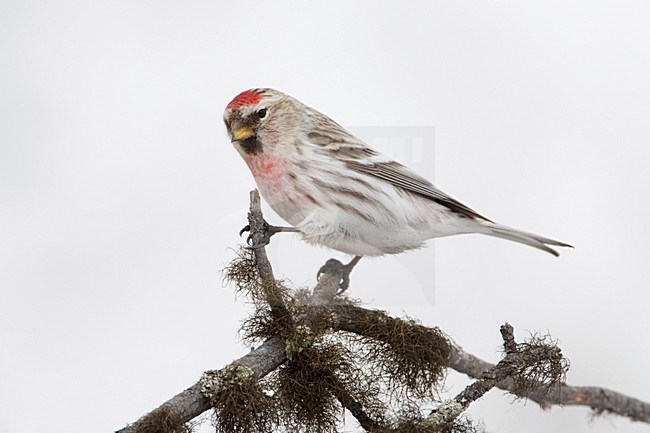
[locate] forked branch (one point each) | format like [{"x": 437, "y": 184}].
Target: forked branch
[{"x": 533, "y": 370}]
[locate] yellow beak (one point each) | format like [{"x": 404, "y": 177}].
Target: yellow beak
[{"x": 242, "y": 134}]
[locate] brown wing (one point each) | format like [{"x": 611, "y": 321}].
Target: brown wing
[
  {"x": 332, "y": 139},
  {"x": 402, "y": 177}
]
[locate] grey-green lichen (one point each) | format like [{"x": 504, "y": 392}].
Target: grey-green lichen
[
  {"x": 214, "y": 381},
  {"x": 446, "y": 411},
  {"x": 302, "y": 338}
]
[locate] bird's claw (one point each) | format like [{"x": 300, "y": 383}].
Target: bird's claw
[
  {"x": 256, "y": 246},
  {"x": 345, "y": 282},
  {"x": 344, "y": 270},
  {"x": 244, "y": 229},
  {"x": 249, "y": 238},
  {"x": 330, "y": 265},
  {"x": 269, "y": 231},
  {"x": 336, "y": 267}
]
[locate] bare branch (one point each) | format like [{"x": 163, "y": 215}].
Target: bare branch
[
  {"x": 258, "y": 229},
  {"x": 356, "y": 409},
  {"x": 191, "y": 403},
  {"x": 343, "y": 316},
  {"x": 349, "y": 318},
  {"x": 518, "y": 360},
  {"x": 598, "y": 399}
]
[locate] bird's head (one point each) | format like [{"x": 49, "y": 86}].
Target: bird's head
[{"x": 260, "y": 120}]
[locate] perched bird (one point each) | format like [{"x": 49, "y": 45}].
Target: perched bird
[{"x": 337, "y": 191}]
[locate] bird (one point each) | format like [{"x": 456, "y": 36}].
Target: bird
[{"x": 337, "y": 191}]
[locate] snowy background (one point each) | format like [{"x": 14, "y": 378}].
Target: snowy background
[{"x": 121, "y": 197}]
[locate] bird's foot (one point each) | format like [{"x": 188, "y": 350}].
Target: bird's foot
[
  {"x": 344, "y": 270},
  {"x": 269, "y": 230}
]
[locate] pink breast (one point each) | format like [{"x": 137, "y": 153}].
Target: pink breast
[
  {"x": 267, "y": 167},
  {"x": 280, "y": 190}
]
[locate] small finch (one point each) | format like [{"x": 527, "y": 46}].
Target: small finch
[{"x": 337, "y": 191}]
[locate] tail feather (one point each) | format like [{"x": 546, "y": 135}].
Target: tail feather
[{"x": 522, "y": 237}]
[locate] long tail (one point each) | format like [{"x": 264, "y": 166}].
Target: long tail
[{"x": 522, "y": 237}]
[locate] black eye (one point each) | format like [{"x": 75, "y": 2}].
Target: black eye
[{"x": 261, "y": 113}]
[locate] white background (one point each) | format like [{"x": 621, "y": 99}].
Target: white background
[{"x": 121, "y": 195}]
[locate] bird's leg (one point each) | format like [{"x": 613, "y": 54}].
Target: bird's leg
[
  {"x": 345, "y": 274},
  {"x": 344, "y": 269},
  {"x": 269, "y": 230}
]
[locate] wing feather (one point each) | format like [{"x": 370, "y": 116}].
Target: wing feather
[
  {"x": 402, "y": 177},
  {"x": 335, "y": 141}
]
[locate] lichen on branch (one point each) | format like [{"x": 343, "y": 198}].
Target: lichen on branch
[{"x": 318, "y": 353}]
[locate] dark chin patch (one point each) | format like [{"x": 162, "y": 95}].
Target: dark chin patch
[{"x": 251, "y": 145}]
